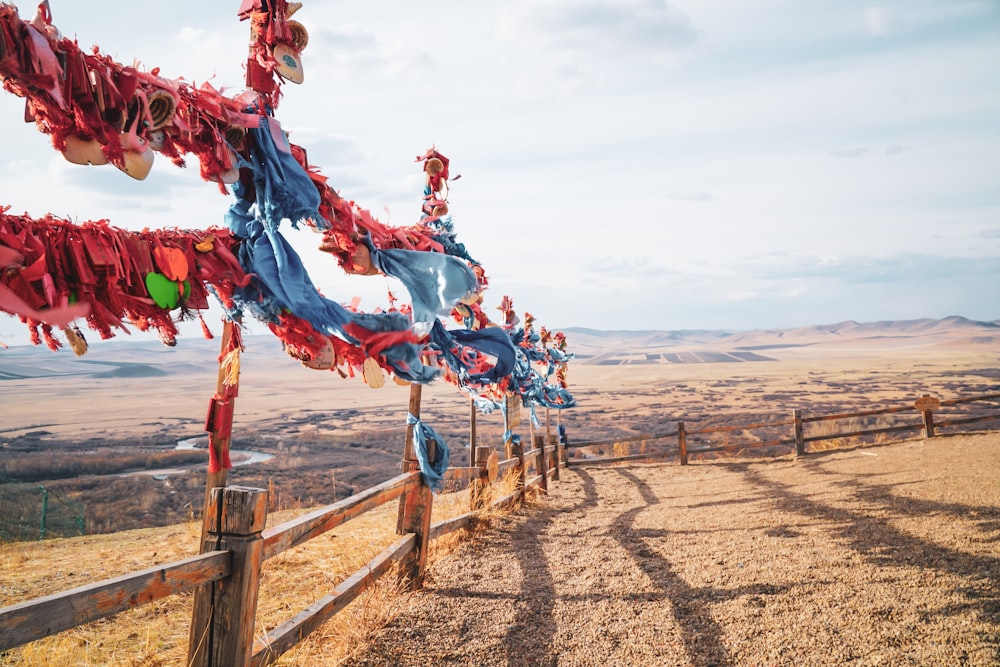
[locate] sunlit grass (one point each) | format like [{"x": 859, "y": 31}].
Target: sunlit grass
[{"x": 157, "y": 634}]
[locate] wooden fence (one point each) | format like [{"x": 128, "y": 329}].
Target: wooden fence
[
  {"x": 225, "y": 577},
  {"x": 798, "y": 434}
]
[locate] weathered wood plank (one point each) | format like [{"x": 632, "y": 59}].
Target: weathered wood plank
[
  {"x": 970, "y": 399},
  {"x": 636, "y": 438},
  {"x": 619, "y": 459},
  {"x": 509, "y": 499},
  {"x": 739, "y": 427},
  {"x": 870, "y": 431},
  {"x": 304, "y": 528},
  {"x": 451, "y": 525},
  {"x": 736, "y": 448},
  {"x": 863, "y": 413},
  {"x": 941, "y": 423},
  {"x": 287, "y": 635},
  {"x": 462, "y": 473},
  {"x": 41, "y": 617}
]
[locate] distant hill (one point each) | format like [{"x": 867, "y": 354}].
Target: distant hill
[
  {"x": 149, "y": 358},
  {"x": 713, "y": 346}
]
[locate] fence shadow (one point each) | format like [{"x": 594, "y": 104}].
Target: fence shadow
[{"x": 877, "y": 540}]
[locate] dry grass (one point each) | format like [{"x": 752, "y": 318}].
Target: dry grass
[{"x": 157, "y": 634}]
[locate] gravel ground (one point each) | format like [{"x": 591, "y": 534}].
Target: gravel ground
[{"x": 881, "y": 556}]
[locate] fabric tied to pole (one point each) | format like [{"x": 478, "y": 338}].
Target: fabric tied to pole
[{"x": 432, "y": 471}]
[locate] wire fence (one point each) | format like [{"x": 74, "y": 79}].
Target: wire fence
[{"x": 33, "y": 512}]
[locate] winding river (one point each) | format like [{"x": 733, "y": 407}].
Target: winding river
[{"x": 240, "y": 457}]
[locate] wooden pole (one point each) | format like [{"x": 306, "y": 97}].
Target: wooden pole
[
  {"x": 517, "y": 451},
  {"x": 477, "y": 489},
  {"x": 927, "y": 404},
  {"x": 415, "y": 504},
  {"x": 508, "y": 450},
  {"x": 928, "y": 418},
  {"x": 472, "y": 432},
  {"x": 543, "y": 463},
  {"x": 682, "y": 443},
  {"x": 219, "y": 422},
  {"x": 560, "y": 446},
  {"x": 800, "y": 442},
  {"x": 409, "y": 462},
  {"x": 223, "y": 620}
]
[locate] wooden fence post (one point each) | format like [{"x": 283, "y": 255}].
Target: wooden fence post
[
  {"x": 517, "y": 451},
  {"x": 560, "y": 445},
  {"x": 800, "y": 442},
  {"x": 477, "y": 489},
  {"x": 543, "y": 464},
  {"x": 222, "y": 623},
  {"x": 219, "y": 422},
  {"x": 927, "y": 404},
  {"x": 682, "y": 445},
  {"x": 415, "y": 504},
  {"x": 472, "y": 432},
  {"x": 928, "y": 416},
  {"x": 409, "y": 462},
  {"x": 553, "y": 441}
]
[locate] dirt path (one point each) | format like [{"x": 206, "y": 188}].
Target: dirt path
[{"x": 880, "y": 556}]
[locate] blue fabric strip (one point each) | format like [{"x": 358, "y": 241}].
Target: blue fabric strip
[{"x": 432, "y": 471}]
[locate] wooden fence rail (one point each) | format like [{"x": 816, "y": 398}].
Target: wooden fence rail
[
  {"x": 926, "y": 409},
  {"x": 226, "y": 576},
  {"x": 41, "y": 617}
]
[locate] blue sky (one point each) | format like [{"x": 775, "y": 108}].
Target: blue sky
[{"x": 626, "y": 164}]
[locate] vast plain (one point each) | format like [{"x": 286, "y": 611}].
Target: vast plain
[
  {"x": 95, "y": 429},
  {"x": 868, "y": 556}
]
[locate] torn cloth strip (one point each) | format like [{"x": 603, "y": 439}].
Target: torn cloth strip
[
  {"x": 432, "y": 471},
  {"x": 491, "y": 341},
  {"x": 283, "y": 188},
  {"x": 281, "y": 275},
  {"x": 435, "y": 281},
  {"x": 388, "y": 335}
]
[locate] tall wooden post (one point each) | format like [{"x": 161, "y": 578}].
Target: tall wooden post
[
  {"x": 560, "y": 445},
  {"x": 477, "y": 490},
  {"x": 409, "y": 461},
  {"x": 415, "y": 504},
  {"x": 552, "y": 441},
  {"x": 800, "y": 440},
  {"x": 507, "y": 429},
  {"x": 472, "y": 432},
  {"x": 219, "y": 422},
  {"x": 222, "y": 623},
  {"x": 543, "y": 463},
  {"x": 517, "y": 451},
  {"x": 682, "y": 443},
  {"x": 927, "y": 404}
]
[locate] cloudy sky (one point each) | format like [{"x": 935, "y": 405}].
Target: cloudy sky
[{"x": 626, "y": 164}]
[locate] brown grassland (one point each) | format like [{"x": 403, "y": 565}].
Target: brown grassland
[{"x": 332, "y": 437}]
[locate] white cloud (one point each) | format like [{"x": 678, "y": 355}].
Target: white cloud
[
  {"x": 877, "y": 21},
  {"x": 635, "y": 164}
]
